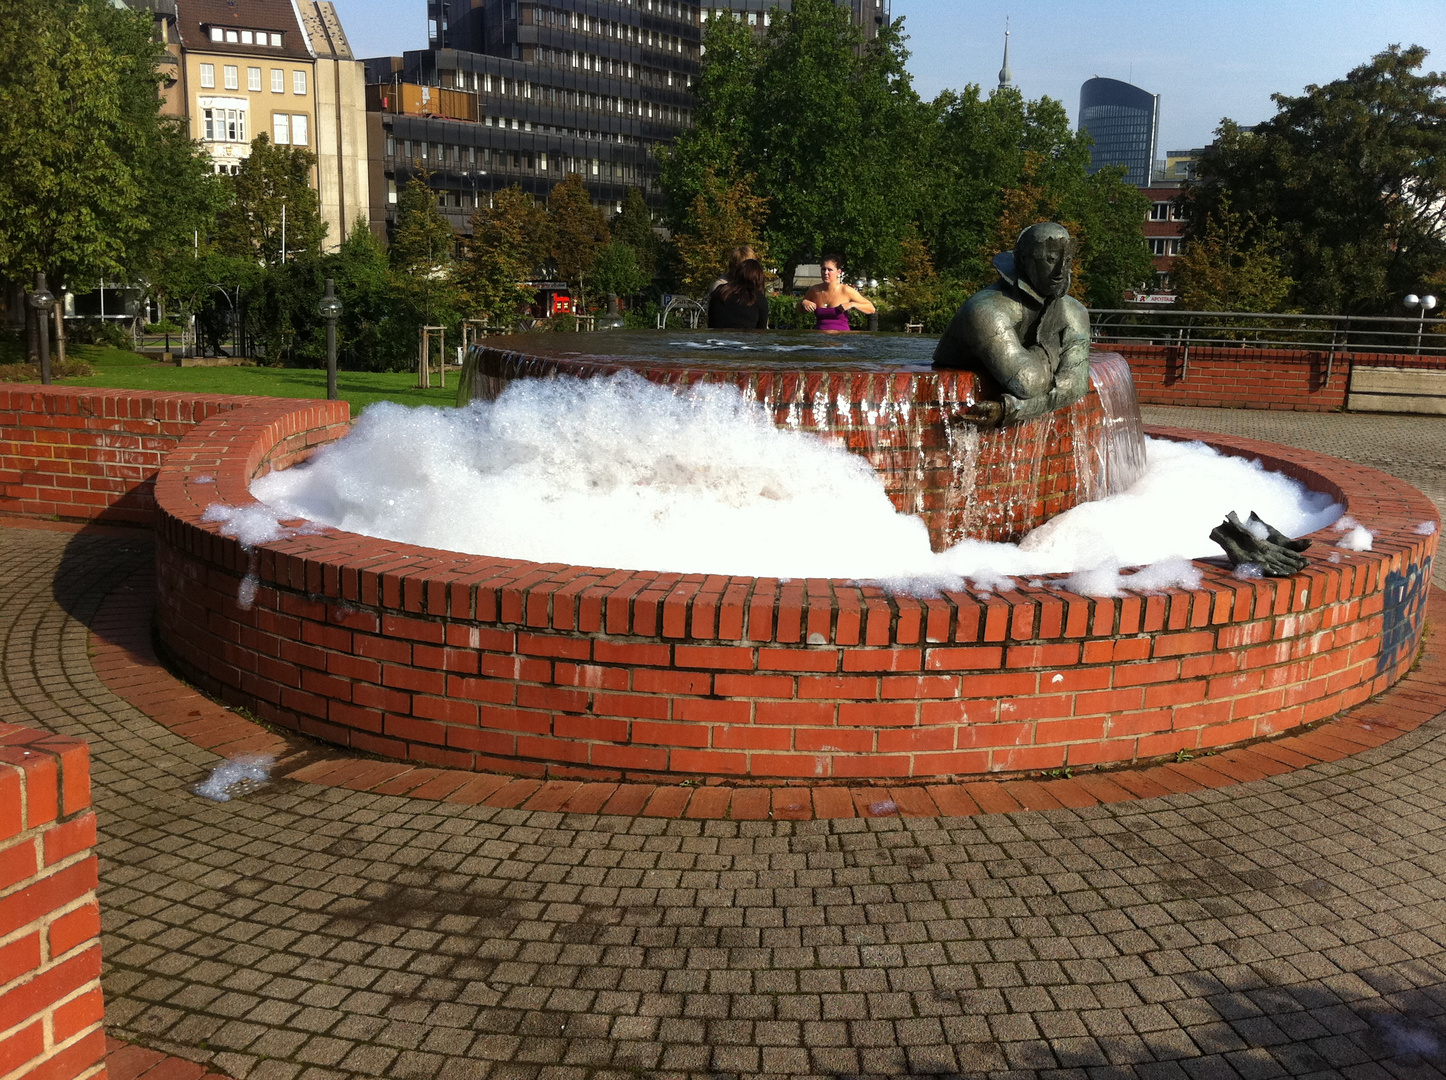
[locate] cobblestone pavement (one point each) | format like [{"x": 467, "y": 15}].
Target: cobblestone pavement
[{"x": 1290, "y": 926}]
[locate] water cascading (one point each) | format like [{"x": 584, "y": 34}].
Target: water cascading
[{"x": 878, "y": 396}]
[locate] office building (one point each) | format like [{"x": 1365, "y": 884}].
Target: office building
[
  {"x": 520, "y": 92},
  {"x": 524, "y": 93},
  {"x": 1122, "y": 119},
  {"x": 868, "y": 15}
]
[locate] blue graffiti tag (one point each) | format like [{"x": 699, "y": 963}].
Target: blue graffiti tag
[{"x": 1405, "y": 613}]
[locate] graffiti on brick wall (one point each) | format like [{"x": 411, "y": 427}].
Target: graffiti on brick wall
[{"x": 1404, "y": 614}]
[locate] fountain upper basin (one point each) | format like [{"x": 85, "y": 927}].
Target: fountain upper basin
[{"x": 875, "y": 394}]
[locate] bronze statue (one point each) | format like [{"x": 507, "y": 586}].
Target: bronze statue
[{"x": 1024, "y": 330}]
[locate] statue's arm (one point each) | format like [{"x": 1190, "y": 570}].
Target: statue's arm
[
  {"x": 1072, "y": 376},
  {"x": 989, "y": 334}
]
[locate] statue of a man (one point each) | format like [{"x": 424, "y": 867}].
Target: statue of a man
[{"x": 1024, "y": 330}]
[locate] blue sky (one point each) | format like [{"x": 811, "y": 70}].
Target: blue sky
[{"x": 1205, "y": 60}]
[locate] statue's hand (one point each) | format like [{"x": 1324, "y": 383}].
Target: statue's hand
[{"x": 1257, "y": 543}]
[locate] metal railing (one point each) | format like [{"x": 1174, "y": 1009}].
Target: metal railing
[{"x": 1331, "y": 335}]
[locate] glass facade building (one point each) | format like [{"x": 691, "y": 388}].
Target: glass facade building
[{"x": 1122, "y": 120}]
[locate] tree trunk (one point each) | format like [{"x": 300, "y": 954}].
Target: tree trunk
[
  {"x": 789, "y": 268},
  {"x": 60, "y": 330}
]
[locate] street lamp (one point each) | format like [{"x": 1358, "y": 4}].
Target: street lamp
[
  {"x": 1425, "y": 303},
  {"x": 42, "y": 300},
  {"x": 330, "y": 309}
]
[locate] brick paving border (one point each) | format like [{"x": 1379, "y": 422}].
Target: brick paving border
[
  {"x": 125, "y": 660},
  {"x": 127, "y": 1061}
]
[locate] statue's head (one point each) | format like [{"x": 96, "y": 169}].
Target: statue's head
[{"x": 1042, "y": 257}]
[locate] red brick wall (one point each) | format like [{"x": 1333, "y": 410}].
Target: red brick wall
[
  {"x": 82, "y": 454},
  {"x": 488, "y": 663},
  {"x": 50, "y": 996},
  {"x": 1247, "y": 378}
]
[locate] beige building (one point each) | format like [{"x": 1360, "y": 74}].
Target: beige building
[{"x": 282, "y": 67}]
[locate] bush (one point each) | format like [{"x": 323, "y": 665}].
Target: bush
[
  {"x": 162, "y": 328},
  {"x": 93, "y": 331}
]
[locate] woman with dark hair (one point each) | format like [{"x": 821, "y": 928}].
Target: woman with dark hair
[
  {"x": 740, "y": 302},
  {"x": 831, "y": 301}
]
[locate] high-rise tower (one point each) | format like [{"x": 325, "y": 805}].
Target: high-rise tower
[{"x": 1122, "y": 120}]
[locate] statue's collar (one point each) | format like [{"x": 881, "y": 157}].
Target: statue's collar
[{"x": 1004, "y": 263}]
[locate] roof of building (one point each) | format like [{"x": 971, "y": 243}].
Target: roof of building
[{"x": 195, "y": 17}]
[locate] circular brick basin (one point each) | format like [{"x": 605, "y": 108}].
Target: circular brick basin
[
  {"x": 876, "y": 395},
  {"x": 572, "y": 671}
]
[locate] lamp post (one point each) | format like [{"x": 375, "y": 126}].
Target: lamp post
[
  {"x": 42, "y": 301},
  {"x": 283, "y": 230},
  {"x": 330, "y": 309},
  {"x": 1425, "y": 303}
]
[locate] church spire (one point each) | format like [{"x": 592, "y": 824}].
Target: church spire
[{"x": 1006, "y": 77}]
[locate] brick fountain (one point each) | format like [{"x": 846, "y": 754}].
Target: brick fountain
[{"x": 499, "y": 664}]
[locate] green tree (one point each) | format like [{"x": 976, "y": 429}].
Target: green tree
[
  {"x": 725, "y": 214},
  {"x": 1001, "y": 163},
  {"x": 633, "y": 226},
  {"x": 835, "y": 139},
  {"x": 423, "y": 241},
  {"x": 1352, "y": 175},
  {"x": 270, "y": 179},
  {"x": 370, "y": 336},
  {"x": 616, "y": 270},
  {"x": 510, "y": 241},
  {"x": 828, "y": 125},
  {"x": 1230, "y": 265},
  {"x": 579, "y": 231},
  {"x": 96, "y": 184}
]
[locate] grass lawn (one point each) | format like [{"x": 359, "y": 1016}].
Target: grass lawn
[{"x": 119, "y": 369}]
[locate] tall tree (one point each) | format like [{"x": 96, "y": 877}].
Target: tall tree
[
  {"x": 579, "y": 231},
  {"x": 94, "y": 181},
  {"x": 829, "y": 125},
  {"x": 422, "y": 241},
  {"x": 634, "y": 226},
  {"x": 1352, "y": 175},
  {"x": 726, "y": 214},
  {"x": 510, "y": 241},
  {"x": 1230, "y": 265},
  {"x": 272, "y": 179}
]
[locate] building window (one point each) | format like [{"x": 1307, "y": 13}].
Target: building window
[
  {"x": 298, "y": 129},
  {"x": 391, "y": 193},
  {"x": 246, "y": 37},
  {"x": 208, "y": 76},
  {"x": 276, "y": 41},
  {"x": 224, "y": 125},
  {"x": 1165, "y": 245},
  {"x": 217, "y": 34},
  {"x": 281, "y": 128},
  {"x": 229, "y": 71},
  {"x": 391, "y": 146},
  {"x": 1160, "y": 211},
  {"x": 253, "y": 79},
  {"x": 298, "y": 82},
  {"x": 278, "y": 81},
  {"x": 232, "y": 37}
]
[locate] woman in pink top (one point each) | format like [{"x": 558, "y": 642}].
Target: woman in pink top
[{"x": 831, "y": 300}]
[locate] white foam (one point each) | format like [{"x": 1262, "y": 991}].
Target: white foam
[
  {"x": 253, "y": 767},
  {"x": 618, "y": 472},
  {"x": 1425, "y": 528},
  {"x": 1358, "y": 539}
]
